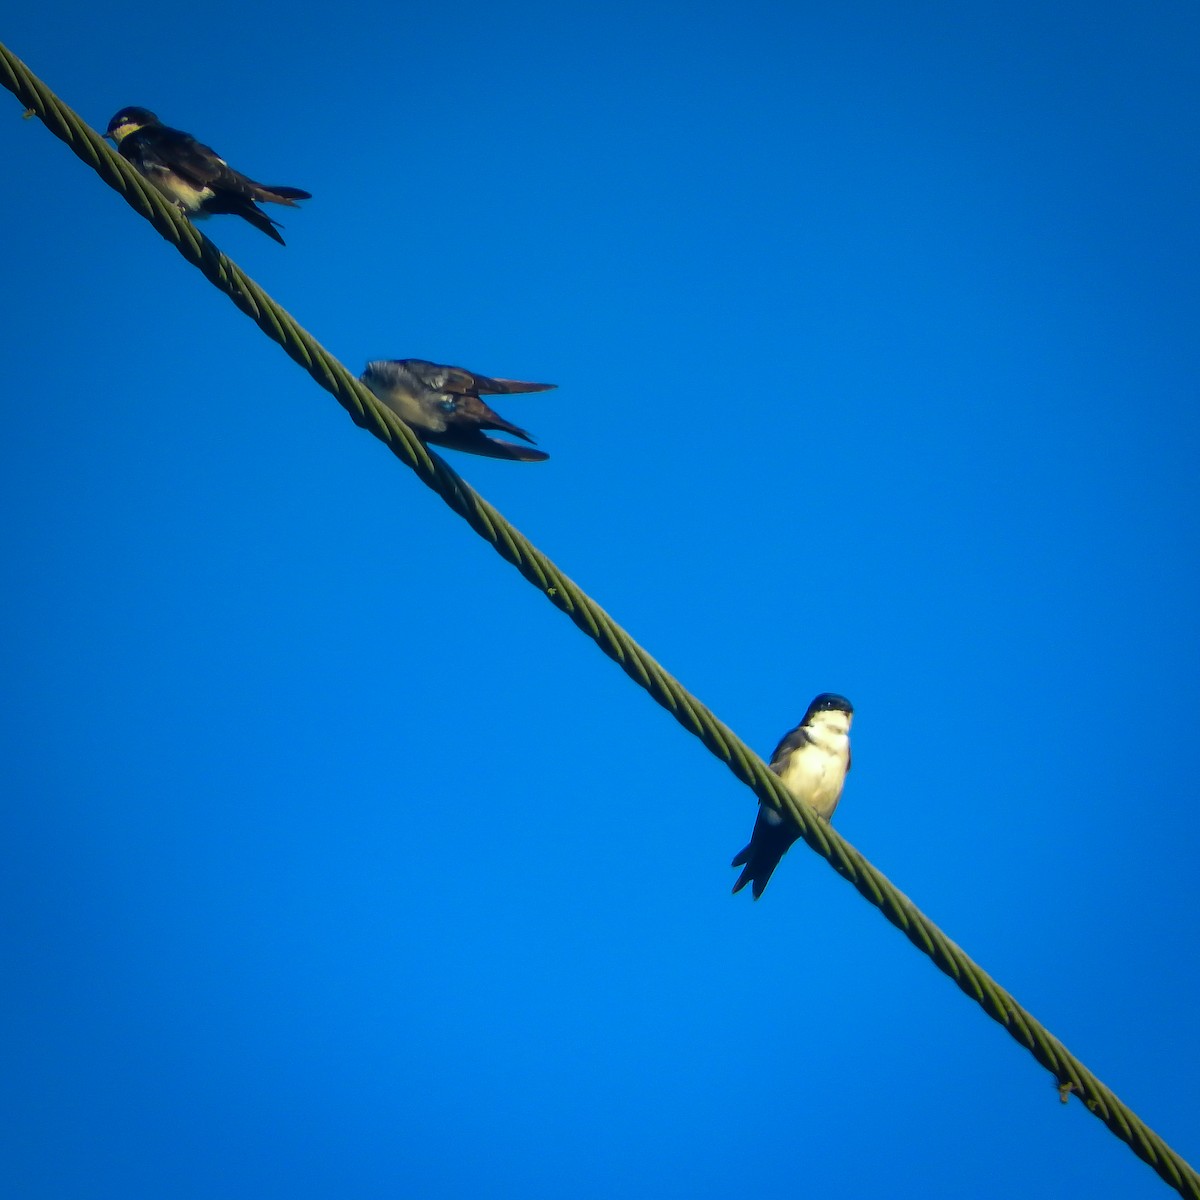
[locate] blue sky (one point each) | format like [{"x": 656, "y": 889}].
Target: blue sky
[{"x": 336, "y": 862}]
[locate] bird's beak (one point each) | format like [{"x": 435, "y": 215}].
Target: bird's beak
[{"x": 110, "y": 137}]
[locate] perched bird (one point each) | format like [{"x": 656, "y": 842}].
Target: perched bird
[
  {"x": 192, "y": 175},
  {"x": 812, "y": 761},
  {"x": 443, "y": 405}
]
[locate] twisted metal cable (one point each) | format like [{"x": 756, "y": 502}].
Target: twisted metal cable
[{"x": 367, "y": 412}]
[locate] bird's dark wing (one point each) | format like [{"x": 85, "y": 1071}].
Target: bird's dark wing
[
  {"x": 460, "y": 382},
  {"x": 440, "y": 378},
  {"x": 470, "y": 411},
  {"x": 501, "y": 387},
  {"x": 224, "y": 200},
  {"x": 174, "y": 150},
  {"x": 473, "y": 440},
  {"x": 791, "y": 742}
]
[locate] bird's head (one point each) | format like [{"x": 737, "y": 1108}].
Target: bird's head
[
  {"x": 831, "y": 710},
  {"x": 129, "y": 120}
]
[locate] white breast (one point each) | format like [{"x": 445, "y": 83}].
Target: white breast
[{"x": 816, "y": 773}]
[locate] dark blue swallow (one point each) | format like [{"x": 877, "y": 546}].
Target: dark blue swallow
[
  {"x": 191, "y": 175},
  {"x": 812, "y": 761}
]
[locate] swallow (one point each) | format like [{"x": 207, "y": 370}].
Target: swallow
[
  {"x": 812, "y": 760},
  {"x": 192, "y": 175},
  {"x": 444, "y": 405}
]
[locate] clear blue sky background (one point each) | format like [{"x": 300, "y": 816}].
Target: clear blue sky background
[{"x": 337, "y": 862}]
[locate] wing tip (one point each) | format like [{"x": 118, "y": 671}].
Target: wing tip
[{"x": 511, "y": 387}]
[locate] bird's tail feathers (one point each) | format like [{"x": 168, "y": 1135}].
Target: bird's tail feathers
[
  {"x": 750, "y": 872},
  {"x": 486, "y": 417},
  {"x": 768, "y": 844},
  {"x": 241, "y": 206}
]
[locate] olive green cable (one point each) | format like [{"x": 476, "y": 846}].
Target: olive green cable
[{"x": 366, "y": 411}]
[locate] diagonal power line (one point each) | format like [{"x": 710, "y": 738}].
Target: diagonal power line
[{"x": 1070, "y": 1074}]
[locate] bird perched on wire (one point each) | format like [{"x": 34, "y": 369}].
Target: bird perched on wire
[
  {"x": 444, "y": 405},
  {"x": 192, "y": 175},
  {"x": 812, "y": 761}
]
